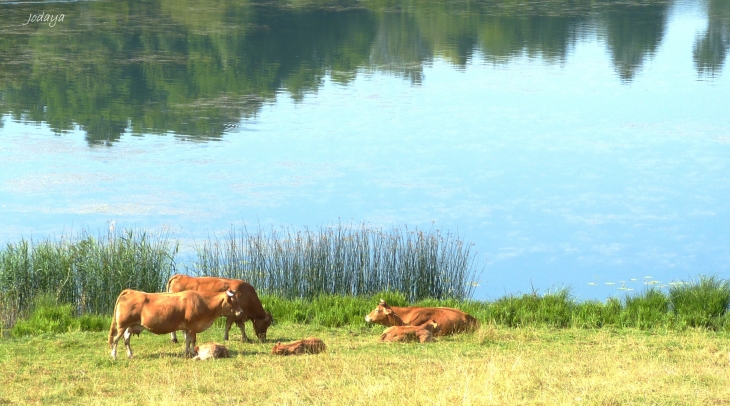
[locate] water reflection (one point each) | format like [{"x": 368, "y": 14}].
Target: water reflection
[
  {"x": 633, "y": 33},
  {"x": 711, "y": 48},
  {"x": 196, "y": 68}
]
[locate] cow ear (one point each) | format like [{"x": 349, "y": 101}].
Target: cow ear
[{"x": 388, "y": 311}]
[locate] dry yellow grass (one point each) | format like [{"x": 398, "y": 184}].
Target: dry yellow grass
[{"x": 493, "y": 366}]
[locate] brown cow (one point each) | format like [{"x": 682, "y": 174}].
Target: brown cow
[
  {"x": 248, "y": 299},
  {"x": 163, "y": 313},
  {"x": 210, "y": 350},
  {"x": 423, "y": 333},
  {"x": 449, "y": 320},
  {"x": 311, "y": 345}
]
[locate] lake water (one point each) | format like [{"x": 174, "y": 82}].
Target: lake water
[{"x": 574, "y": 143}]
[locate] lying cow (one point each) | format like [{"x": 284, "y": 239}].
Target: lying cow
[
  {"x": 248, "y": 299},
  {"x": 449, "y": 320},
  {"x": 210, "y": 350},
  {"x": 311, "y": 345},
  {"x": 163, "y": 313},
  {"x": 423, "y": 333}
]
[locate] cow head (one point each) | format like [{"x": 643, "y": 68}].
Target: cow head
[
  {"x": 232, "y": 301},
  {"x": 278, "y": 349},
  {"x": 260, "y": 325},
  {"x": 384, "y": 315},
  {"x": 432, "y": 326}
]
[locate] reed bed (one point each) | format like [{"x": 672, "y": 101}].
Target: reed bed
[
  {"x": 330, "y": 277},
  {"x": 85, "y": 272},
  {"x": 343, "y": 260}
]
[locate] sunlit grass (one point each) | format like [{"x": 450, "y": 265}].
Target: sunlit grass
[{"x": 492, "y": 366}]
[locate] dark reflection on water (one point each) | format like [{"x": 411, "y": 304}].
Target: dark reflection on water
[
  {"x": 196, "y": 68},
  {"x": 711, "y": 48}
]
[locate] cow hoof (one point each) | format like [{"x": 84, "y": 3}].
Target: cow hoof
[{"x": 174, "y": 341}]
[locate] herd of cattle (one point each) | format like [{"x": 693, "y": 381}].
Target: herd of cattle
[{"x": 192, "y": 304}]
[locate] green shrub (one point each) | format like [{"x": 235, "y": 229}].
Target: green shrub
[
  {"x": 49, "y": 317},
  {"x": 596, "y": 314},
  {"x": 647, "y": 309},
  {"x": 700, "y": 303},
  {"x": 553, "y": 309}
]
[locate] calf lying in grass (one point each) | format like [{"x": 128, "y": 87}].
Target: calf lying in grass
[
  {"x": 311, "y": 345},
  {"x": 210, "y": 350},
  {"x": 423, "y": 333}
]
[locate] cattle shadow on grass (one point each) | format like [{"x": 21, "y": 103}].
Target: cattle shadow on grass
[{"x": 272, "y": 341}]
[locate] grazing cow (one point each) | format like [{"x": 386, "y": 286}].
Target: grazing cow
[
  {"x": 423, "y": 333},
  {"x": 311, "y": 345},
  {"x": 210, "y": 350},
  {"x": 248, "y": 299},
  {"x": 163, "y": 313},
  {"x": 449, "y": 320}
]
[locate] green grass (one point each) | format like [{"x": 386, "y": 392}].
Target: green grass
[
  {"x": 48, "y": 317},
  {"x": 492, "y": 366},
  {"x": 701, "y": 302}
]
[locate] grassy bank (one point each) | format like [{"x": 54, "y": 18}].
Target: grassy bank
[
  {"x": 88, "y": 272},
  {"x": 327, "y": 278},
  {"x": 700, "y": 303},
  {"x": 84, "y": 271},
  {"x": 492, "y": 366}
]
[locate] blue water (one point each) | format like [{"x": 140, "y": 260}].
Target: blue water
[{"x": 560, "y": 174}]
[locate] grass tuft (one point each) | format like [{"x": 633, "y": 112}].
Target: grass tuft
[
  {"x": 48, "y": 316},
  {"x": 553, "y": 309},
  {"x": 701, "y": 302},
  {"x": 647, "y": 309}
]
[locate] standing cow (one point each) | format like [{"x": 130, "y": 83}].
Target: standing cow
[
  {"x": 248, "y": 299},
  {"x": 449, "y": 320},
  {"x": 163, "y": 313}
]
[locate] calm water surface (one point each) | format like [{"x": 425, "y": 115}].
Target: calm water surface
[{"x": 574, "y": 143}]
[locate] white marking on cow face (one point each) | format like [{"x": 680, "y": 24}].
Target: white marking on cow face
[{"x": 377, "y": 315}]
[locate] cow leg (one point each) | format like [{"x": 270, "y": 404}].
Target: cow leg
[
  {"x": 190, "y": 339},
  {"x": 242, "y": 325},
  {"x": 114, "y": 343},
  {"x": 127, "y": 337},
  {"x": 173, "y": 336},
  {"x": 229, "y": 323}
]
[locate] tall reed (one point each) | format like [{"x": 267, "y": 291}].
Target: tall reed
[
  {"x": 343, "y": 260},
  {"x": 83, "y": 271}
]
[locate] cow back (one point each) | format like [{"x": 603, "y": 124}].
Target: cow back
[{"x": 448, "y": 319}]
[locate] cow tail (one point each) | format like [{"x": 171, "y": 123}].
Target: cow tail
[
  {"x": 169, "y": 283},
  {"x": 113, "y": 328}
]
